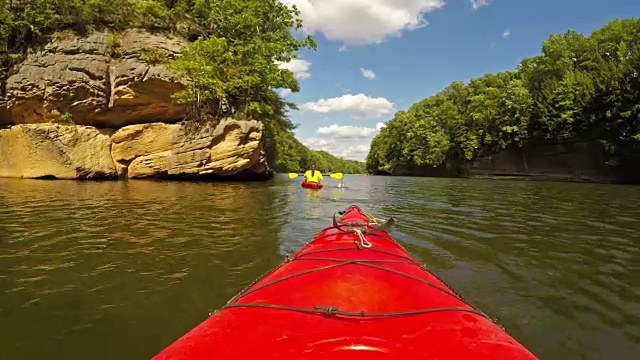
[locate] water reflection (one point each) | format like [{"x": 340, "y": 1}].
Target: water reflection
[
  {"x": 88, "y": 264},
  {"x": 337, "y": 193}
]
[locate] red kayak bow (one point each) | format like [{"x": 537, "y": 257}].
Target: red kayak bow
[{"x": 351, "y": 293}]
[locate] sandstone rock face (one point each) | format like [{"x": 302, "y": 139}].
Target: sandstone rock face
[
  {"x": 167, "y": 150},
  {"x": 153, "y": 150},
  {"x": 54, "y": 150},
  {"x": 4, "y": 114},
  {"x": 101, "y": 80}
]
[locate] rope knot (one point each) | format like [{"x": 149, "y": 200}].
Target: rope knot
[
  {"x": 327, "y": 310},
  {"x": 362, "y": 240}
]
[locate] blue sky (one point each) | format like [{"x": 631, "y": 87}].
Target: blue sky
[{"x": 415, "y": 48}]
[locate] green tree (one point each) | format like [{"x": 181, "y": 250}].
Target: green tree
[
  {"x": 578, "y": 88},
  {"x": 236, "y": 64}
]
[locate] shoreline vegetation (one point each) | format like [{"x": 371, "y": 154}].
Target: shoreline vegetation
[
  {"x": 230, "y": 67},
  {"x": 579, "y": 89}
]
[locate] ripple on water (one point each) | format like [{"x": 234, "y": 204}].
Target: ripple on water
[{"x": 570, "y": 259}]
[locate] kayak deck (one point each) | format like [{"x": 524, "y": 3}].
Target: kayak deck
[{"x": 350, "y": 293}]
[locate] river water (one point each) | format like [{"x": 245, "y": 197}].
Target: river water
[{"x": 119, "y": 270}]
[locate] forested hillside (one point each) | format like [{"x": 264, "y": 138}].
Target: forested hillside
[
  {"x": 290, "y": 155},
  {"x": 578, "y": 88},
  {"x": 293, "y": 156}
]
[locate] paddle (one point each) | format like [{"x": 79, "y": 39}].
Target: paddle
[{"x": 334, "y": 175}]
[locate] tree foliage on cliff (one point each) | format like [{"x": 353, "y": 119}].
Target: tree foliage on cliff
[
  {"x": 578, "y": 88},
  {"x": 235, "y": 63},
  {"x": 231, "y": 64}
]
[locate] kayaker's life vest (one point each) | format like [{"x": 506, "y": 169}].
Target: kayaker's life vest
[{"x": 315, "y": 177}]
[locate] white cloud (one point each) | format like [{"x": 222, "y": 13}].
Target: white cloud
[
  {"x": 346, "y": 131},
  {"x": 284, "y": 92},
  {"x": 299, "y": 67},
  {"x": 476, "y": 4},
  {"x": 360, "y": 106},
  {"x": 343, "y": 48},
  {"x": 506, "y": 33},
  {"x": 346, "y": 141},
  {"x": 361, "y": 22},
  {"x": 369, "y": 74},
  {"x": 346, "y": 149}
]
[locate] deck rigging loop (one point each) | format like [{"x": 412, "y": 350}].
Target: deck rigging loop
[{"x": 372, "y": 226}]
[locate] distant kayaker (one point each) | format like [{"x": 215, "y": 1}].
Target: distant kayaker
[{"x": 313, "y": 175}]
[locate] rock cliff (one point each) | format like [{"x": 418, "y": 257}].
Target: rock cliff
[
  {"x": 100, "y": 106},
  {"x": 150, "y": 150},
  {"x": 54, "y": 150},
  {"x": 154, "y": 150},
  {"x": 582, "y": 161},
  {"x": 99, "y": 80}
]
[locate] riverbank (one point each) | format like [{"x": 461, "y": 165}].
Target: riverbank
[
  {"x": 145, "y": 89},
  {"x": 568, "y": 113},
  {"x": 95, "y": 107},
  {"x": 570, "y": 161}
]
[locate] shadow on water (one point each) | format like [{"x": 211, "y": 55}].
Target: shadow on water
[{"x": 121, "y": 269}]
